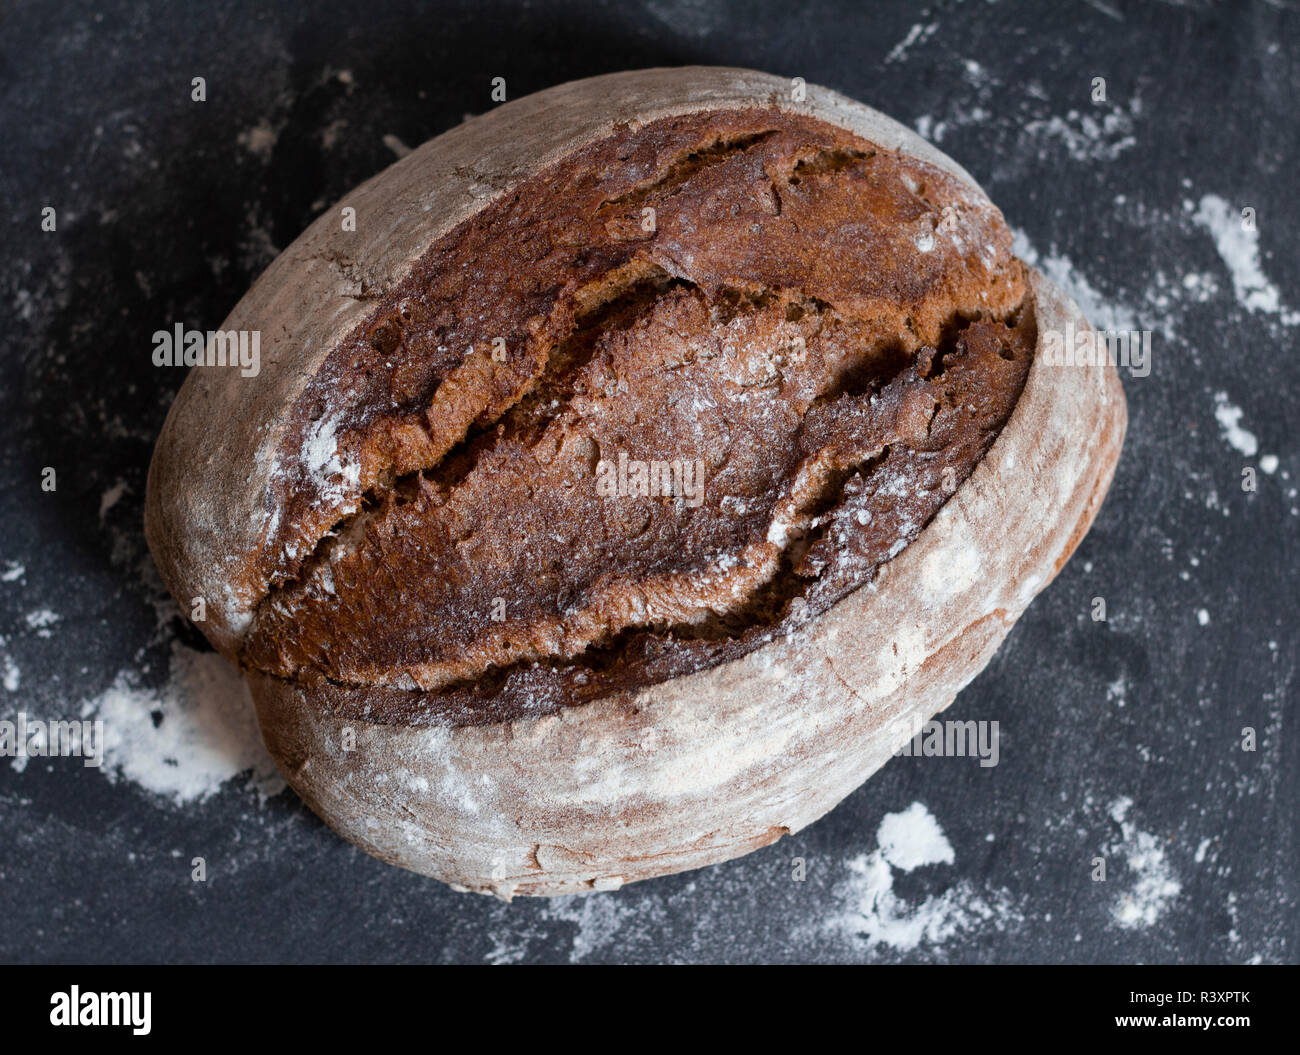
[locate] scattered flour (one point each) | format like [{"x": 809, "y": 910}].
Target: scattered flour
[
  {"x": 259, "y": 140},
  {"x": 598, "y": 917},
  {"x": 1229, "y": 418},
  {"x": 918, "y": 34},
  {"x": 913, "y": 838},
  {"x": 257, "y": 247},
  {"x": 1086, "y": 137},
  {"x": 1155, "y": 885},
  {"x": 694, "y": 18},
  {"x": 1104, "y": 313},
  {"x": 1096, "y": 132},
  {"x": 1238, "y": 246},
  {"x": 182, "y": 740},
  {"x": 506, "y": 950},
  {"x": 394, "y": 144},
  {"x": 188, "y": 738},
  {"x": 41, "y": 620},
  {"x": 110, "y": 498},
  {"x": 873, "y": 914},
  {"x": 9, "y": 669}
]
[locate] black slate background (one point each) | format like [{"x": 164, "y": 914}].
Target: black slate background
[{"x": 164, "y": 215}]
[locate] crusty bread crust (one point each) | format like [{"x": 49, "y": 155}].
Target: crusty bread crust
[
  {"x": 688, "y": 772},
  {"x": 212, "y": 498}
]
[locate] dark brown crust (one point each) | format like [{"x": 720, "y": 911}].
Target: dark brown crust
[{"x": 860, "y": 308}]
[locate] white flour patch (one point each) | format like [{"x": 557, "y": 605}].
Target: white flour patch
[
  {"x": 9, "y": 672},
  {"x": 1234, "y": 915},
  {"x": 918, "y": 34},
  {"x": 1238, "y": 247},
  {"x": 110, "y": 498},
  {"x": 320, "y": 456},
  {"x": 1155, "y": 885},
  {"x": 1229, "y": 419},
  {"x": 1087, "y": 137},
  {"x": 394, "y": 144},
  {"x": 13, "y": 571},
  {"x": 506, "y": 950},
  {"x": 41, "y": 620},
  {"x": 259, "y": 140},
  {"x": 872, "y": 913},
  {"x": 186, "y": 739},
  {"x": 913, "y": 838}
]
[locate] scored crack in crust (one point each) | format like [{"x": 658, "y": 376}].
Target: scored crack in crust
[{"x": 835, "y": 331}]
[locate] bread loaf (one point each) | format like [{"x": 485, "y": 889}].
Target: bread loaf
[{"x": 614, "y": 497}]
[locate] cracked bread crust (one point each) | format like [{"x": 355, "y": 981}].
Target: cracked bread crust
[
  {"x": 740, "y": 667},
  {"x": 615, "y": 594},
  {"x": 830, "y": 331}
]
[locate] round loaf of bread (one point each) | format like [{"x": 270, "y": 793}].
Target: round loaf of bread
[{"x": 627, "y": 472}]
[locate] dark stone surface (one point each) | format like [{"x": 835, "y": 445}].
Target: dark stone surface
[{"x": 168, "y": 208}]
